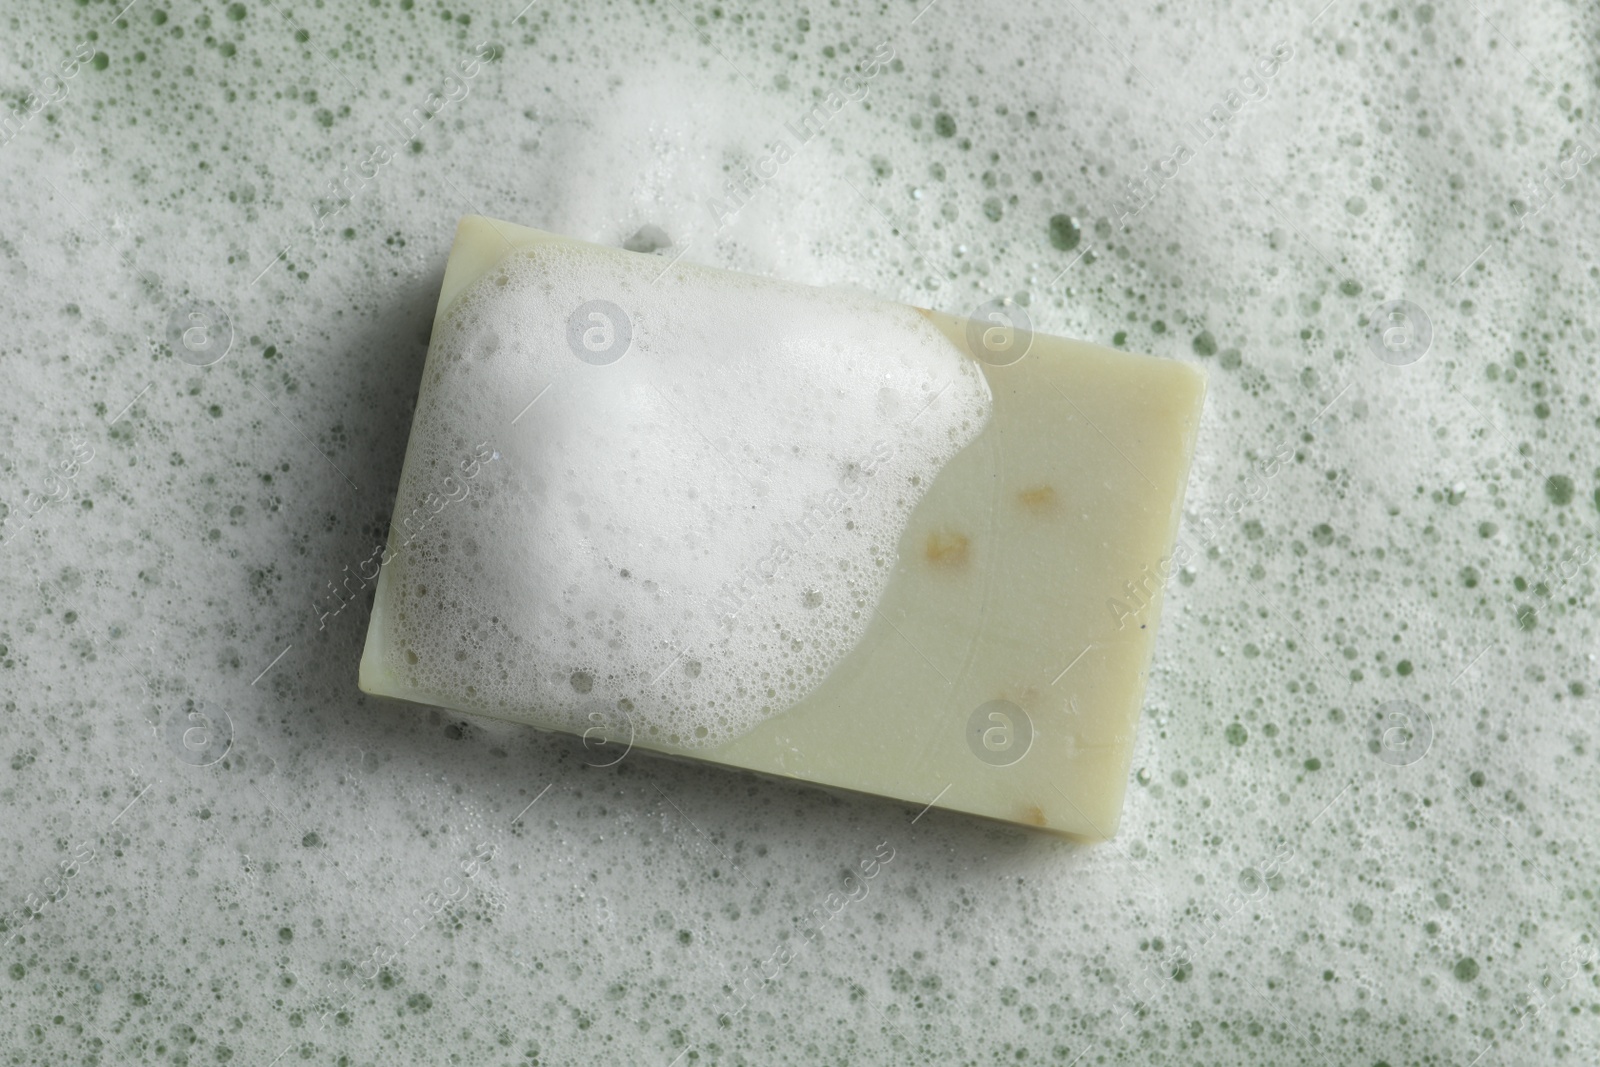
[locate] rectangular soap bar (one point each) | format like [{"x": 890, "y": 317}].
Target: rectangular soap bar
[{"x": 784, "y": 529}]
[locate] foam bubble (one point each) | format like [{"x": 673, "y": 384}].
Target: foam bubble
[{"x": 694, "y": 521}]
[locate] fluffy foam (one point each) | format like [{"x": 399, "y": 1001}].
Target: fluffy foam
[{"x": 686, "y": 539}]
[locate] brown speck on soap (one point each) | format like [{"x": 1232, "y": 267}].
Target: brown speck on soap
[
  {"x": 946, "y": 548},
  {"x": 1034, "y": 816},
  {"x": 1040, "y": 500}
]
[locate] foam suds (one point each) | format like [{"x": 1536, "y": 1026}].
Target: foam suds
[
  {"x": 692, "y": 524},
  {"x": 1362, "y": 533}
]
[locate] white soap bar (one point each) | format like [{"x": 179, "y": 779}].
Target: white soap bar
[{"x": 785, "y": 529}]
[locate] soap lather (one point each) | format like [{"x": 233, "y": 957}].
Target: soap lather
[{"x": 784, "y": 529}]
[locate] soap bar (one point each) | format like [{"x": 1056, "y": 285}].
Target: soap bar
[{"x": 790, "y": 530}]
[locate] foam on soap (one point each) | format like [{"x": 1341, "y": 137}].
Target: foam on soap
[{"x": 694, "y": 521}]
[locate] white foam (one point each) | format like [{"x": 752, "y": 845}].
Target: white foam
[{"x": 693, "y": 535}]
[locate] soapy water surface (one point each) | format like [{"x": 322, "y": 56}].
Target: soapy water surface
[{"x": 1359, "y": 830}]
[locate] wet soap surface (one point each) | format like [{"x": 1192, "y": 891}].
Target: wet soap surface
[
  {"x": 1356, "y": 828},
  {"x": 781, "y": 529}
]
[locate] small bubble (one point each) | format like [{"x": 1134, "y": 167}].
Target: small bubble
[{"x": 1064, "y": 233}]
